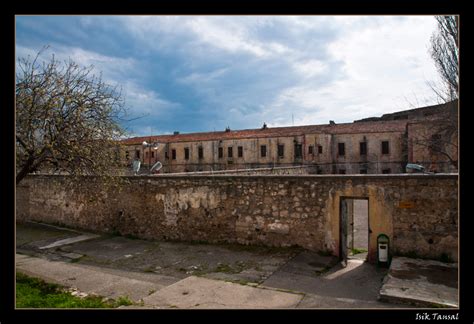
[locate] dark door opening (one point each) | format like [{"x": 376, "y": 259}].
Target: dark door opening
[{"x": 354, "y": 229}]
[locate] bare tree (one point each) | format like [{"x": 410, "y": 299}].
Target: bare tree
[
  {"x": 67, "y": 119},
  {"x": 441, "y": 137},
  {"x": 445, "y": 53}
]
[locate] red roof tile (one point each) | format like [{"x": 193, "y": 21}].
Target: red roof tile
[{"x": 348, "y": 128}]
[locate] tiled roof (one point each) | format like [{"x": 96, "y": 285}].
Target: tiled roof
[
  {"x": 348, "y": 128},
  {"x": 429, "y": 112}
]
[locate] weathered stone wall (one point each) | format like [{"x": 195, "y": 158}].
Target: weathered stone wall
[
  {"x": 291, "y": 170},
  {"x": 417, "y": 212}
]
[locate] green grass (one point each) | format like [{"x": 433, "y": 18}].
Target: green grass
[
  {"x": 35, "y": 293},
  {"x": 225, "y": 268},
  {"x": 357, "y": 251}
]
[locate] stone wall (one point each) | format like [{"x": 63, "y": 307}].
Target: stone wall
[
  {"x": 290, "y": 170},
  {"x": 417, "y": 212}
]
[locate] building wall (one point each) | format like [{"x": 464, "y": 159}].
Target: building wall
[
  {"x": 328, "y": 161},
  {"x": 374, "y": 161},
  {"x": 419, "y": 137},
  {"x": 418, "y": 212}
]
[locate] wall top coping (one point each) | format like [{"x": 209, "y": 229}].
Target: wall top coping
[{"x": 285, "y": 176}]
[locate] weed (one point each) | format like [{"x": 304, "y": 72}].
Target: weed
[
  {"x": 444, "y": 257},
  {"x": 240, "y": 281},
  {"x": 36, "y": 293},
  {"x": 225, "y": 268},
  {"x": 123, "y": 301},
  {"x": 324, "y": 270}
]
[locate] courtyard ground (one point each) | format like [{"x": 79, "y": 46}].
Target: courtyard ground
[{"x": 195, "y": 275}]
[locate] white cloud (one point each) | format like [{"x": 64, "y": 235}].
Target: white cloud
[
  {"x": 310, "y": 68},
  {"x": 141, "y": 100},
  {"x": 198, "y": 78},
  {"x": 243, "y": 69},
  {"x": 146, "y": 101},
  {"x": 385, "y": 66}
]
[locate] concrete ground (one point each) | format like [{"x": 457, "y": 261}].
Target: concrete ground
[
  {"x": 361, "y": 224},
  {"x": 425, "y": 283},
  {"x": 189, "y": 275}
]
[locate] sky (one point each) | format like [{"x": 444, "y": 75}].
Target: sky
[{"x": 206, "y": 73}]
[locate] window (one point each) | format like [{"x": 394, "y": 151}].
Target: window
[
  {"x": 200, "y": 152},
  {"x": 173, "y": 154},
  {"x": 221, "y": 152},
  {"x": 186, "y": 153},
  {"x": 363, "y": 148},
  {"x": 385, "y": 147},
  {"x": 298, "y": 151},
  {"x": 363, "y": 171},
  {"x": 281, "y": 150},
  {"x": 310, "y": 149},
  {"x": 263, "y": 150},
  {"x": 146, "y": 155},
  {"x": 137, "y": 154},
  {"x": 320, "y": 149},
  {"x": 386, "y": 171},
  {"x": 167, "y": 155},
  {"x": 240, "y": 151},
  {"x": 229, "y": 152},
  {"x": 436, "y": 141},
  {"x": 341, "y": 149},
  {"x": 342, "y": 171},
  {"x": 127, "y": 155}
]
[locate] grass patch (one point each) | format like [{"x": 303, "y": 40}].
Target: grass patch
[
  {"x": 35, "y": 293},
  {"x": 150, "y": 269},
  {"x": 358, "y": 251},
  {"x": 324, "y": 270},
  {"x": 241, "y": 281},
  {"x": 225, "y": 268},
  {"x": 123, "y": 301}
]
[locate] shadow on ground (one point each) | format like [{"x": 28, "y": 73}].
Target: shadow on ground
[{"x": 319, "y": 281}]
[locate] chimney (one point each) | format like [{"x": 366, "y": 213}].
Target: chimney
[
  {"x": 175, "y": 133},
  {"x": 264, "y": 126},
  {"x": 332, "y": 123},
  {"x": 227, "y": 129}
]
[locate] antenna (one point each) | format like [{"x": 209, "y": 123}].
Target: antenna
[
  {"x": 157, "y": 166},
  {"x": 136, "y": 166}
]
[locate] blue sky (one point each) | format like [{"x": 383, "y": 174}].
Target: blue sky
[{"x": 204, "y": 73}]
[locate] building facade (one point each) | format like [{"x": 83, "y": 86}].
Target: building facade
[{"x": 370, "y": 146}]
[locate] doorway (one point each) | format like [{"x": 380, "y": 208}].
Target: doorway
[{"x": 354, "y": 229}]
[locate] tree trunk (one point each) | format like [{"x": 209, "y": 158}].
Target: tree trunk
[{"x": 28, "y": 167}]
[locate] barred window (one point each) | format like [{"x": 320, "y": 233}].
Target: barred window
[{"x": 281, "y": 150}]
